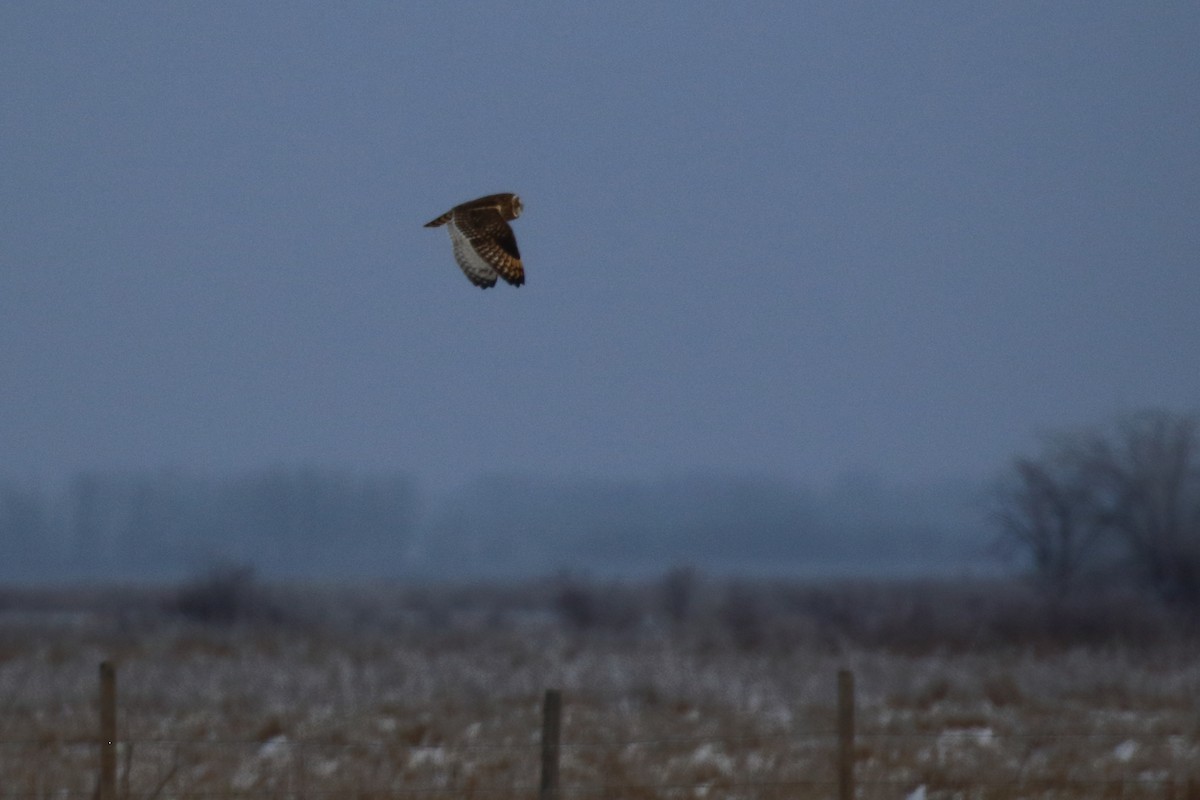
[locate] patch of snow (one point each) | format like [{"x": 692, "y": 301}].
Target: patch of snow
[
  {"x": 708, "y": 755},
  {"x": 1125, "y": 751},
  {"x": 956, "y": 738},
  {"x": 274, "y": 748},
  {"x": 245, "y": 777},
  {"x": 428, "y": 756}
]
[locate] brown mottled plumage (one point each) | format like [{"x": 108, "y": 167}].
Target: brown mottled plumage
[{"x": 484, "y": 244}]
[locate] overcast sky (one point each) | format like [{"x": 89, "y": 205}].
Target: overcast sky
[{"x": 793, "y": 240}]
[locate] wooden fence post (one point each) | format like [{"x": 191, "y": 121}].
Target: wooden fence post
[
  {"x": 108, "y": 732},
  {"x": 551, "y": 731},
  {"x": 845, "y": 735}
]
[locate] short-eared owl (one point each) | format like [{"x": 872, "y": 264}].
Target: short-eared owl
[{"x": 484, "y": 245}]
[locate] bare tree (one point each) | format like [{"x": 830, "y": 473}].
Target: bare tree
[
  {"x": 1133, "y": 487},
  {"x": 1146, "y": 475},
  {"x": 1046, "y": 509}
]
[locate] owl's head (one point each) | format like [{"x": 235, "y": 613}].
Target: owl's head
[{"x": 515, "y": 207}]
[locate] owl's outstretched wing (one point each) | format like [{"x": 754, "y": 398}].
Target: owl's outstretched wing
[
  {"x": 477, "y": 270},
  {"x": 485, "y": 246}
]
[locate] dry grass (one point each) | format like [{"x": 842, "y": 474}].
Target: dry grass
[{"x": 438, "y": 696}]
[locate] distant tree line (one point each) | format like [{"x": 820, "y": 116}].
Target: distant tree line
[
  {"x": 152, "y": 525},
  {"x": 503, "y": 525},
  {"x": 1115, "y": 506},
  {"x": 316, "y": 523}
]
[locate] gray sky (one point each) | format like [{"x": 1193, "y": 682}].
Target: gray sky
[{"x": 785, "y": 239}]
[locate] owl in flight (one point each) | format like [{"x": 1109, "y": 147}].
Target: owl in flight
[{"x": 484, "y": 245}]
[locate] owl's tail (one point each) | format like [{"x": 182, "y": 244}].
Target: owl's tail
[{"x": 442, "y": 220}]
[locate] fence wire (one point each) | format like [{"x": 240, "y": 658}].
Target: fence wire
[{"x": 971, "y": 761}]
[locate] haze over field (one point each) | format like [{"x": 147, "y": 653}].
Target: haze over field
[{"x": 312, "y": 524}]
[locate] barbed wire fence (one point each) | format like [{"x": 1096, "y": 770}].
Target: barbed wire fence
[{"x": 144, "y": 768}]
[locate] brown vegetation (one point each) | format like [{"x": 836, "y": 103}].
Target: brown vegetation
[{"x": 687, "y": 686}]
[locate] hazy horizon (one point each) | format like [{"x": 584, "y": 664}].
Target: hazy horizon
[{"x": 329, "y": 525}]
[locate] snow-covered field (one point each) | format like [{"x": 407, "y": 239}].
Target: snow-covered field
[{"x": 454, "y": 710}]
